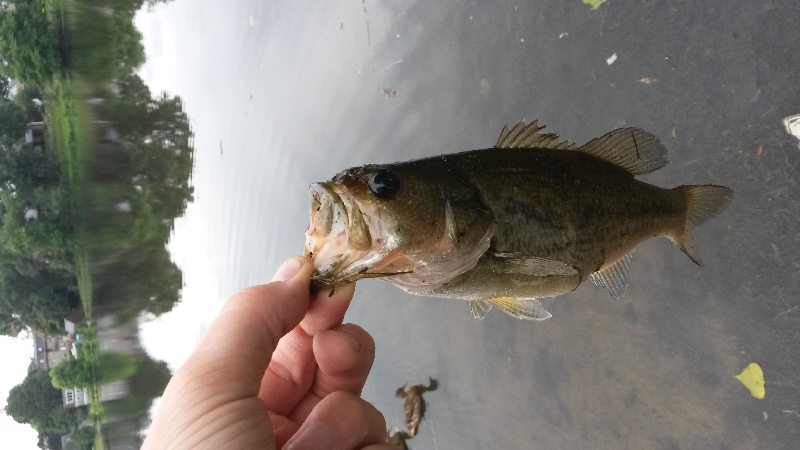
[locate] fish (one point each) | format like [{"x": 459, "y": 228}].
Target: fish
[{"x": 530, "y": 218}]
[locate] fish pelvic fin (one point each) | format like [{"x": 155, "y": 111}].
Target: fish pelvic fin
[
  {"x": 702, "y": 203},
  {"x": 480, "y": 308},
  {"x": 521, "y": 308},
  {"x": 632, "y": 149}
]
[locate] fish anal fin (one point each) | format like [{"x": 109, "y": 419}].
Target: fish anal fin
[
  {"x": 632, "y": 149},
  {"x": 521, "y": 308},
  {"x": 480, "y": 308},
  {"x": 524, "y": 135},
  {"x": 614, "y": 277},
  {"x": 702, "y": 203}
]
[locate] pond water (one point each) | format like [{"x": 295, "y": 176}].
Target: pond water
[{"x": 282, "y": 94}]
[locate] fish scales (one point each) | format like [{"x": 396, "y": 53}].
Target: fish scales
[{"x": 505, "y": 226}]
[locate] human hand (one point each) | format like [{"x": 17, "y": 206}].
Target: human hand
[{"x": 275, "y": 368}]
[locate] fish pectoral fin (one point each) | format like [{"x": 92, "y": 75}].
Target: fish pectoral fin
[
  {"x": 521, "y": 308},
  {"x": 614, "y": 278},
  {"x": 480, "y": 308},
  {"x": 632, "y": 149},
  {"x": 524, "y": 135},
  {"x": 528, "y": 264}
]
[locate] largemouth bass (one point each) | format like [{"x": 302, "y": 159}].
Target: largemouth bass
[{"x": 532, "y": 217}]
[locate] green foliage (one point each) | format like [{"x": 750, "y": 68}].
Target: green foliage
[
  {"x": 13, "y": 119},
  {"x": 147, "y": 384},
  {"x": 72, "y": 373},
  {"x": 5, "y": 87},
  {"x": 36, "y": 402},
  {"x": 82, "y": 438},
  {"x": 105, "y": 43},
  {"x": 23, "y": 169},
  {"x": 28, "y": 44},
  {"x": 51, "y": 441},
  {"x": 11, "y": 324},
  {"x": 24, "y": 99},
  {"x": 111, "y": 366},
  {"x": 35, "y": 294}
]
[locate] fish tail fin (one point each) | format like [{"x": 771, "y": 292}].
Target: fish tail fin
[{"x": 702, "y": 203}]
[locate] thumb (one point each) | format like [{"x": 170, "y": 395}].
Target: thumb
[{"x": 239, "y": 343}]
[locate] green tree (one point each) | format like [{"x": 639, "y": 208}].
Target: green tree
[
  {"x": 11, "y": 324},
  {"x": 40, "y": 298},
  {"x": 160, "y": 139},
  {"x": 36, "y": 402},
  {"x": 147, "y": 384},
  {"x": 107, "y": 45},
  {"x": 24, "y": 168},
  {"x": 82, "y": 438},
  {"x": 5, "y": 87},
  {"x": 112, "y": 366},
  {"x": 72, "y": 373},
  {"x": 27, "y": 44},
  {"x": 13, "y": 120}
]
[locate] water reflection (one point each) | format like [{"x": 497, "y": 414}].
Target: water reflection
[{"x": 91, "y": 185}]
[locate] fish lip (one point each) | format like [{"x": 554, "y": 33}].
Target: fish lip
[
  {"x": 335, "y": 213},
  {"x": 320, "y": 191}
]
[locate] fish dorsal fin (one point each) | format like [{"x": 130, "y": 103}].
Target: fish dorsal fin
[
  {"x": 632, "y": 149},
  {"x": 528, "y": 136},
  {"x": 521, "y": 308},
  {"x": 614, "y": 278}
]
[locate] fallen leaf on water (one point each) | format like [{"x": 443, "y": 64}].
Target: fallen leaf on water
[
  {"x": 752, "y": 377},
  {"x": 594, "y": 3}
]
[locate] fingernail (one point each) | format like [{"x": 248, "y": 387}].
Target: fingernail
[
  {"x": 289, "y": 269},
  {"x": 312, "y": 435},
  {"x": 350, "y": 338}
]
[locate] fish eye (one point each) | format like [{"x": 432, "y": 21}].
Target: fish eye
[{"x": 384, "y": 183}]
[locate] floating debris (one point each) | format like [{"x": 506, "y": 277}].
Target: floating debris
[
  {"x": 486, "y": 88},
  {"x": 792, "y": 125},
  {"x": 611, "y": 58},
  {"x": 390, "y": 93},
  {"x": 752, "y": 377},
  {"x": 414, "y": 404},
  {"x": 760, "y": 150},
  {"x": 647, "y": 80},
  {"x": 594, "y": 3},
  {"x": 563, "y": 35},
  {"x": 393, "y": 63}
]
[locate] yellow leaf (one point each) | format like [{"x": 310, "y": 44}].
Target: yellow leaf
[
  {"x": 594, "y": 3},
  {"x": 752, "y": 377}
]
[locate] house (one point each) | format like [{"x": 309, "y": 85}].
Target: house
[
  {"x": 48, "y": 351},
  {"x": 35, "y": 136}
]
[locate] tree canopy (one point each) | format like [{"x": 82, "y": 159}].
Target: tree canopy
[
  {"x": 28, "y": 44},
  {"x": 36, "y": 402}
]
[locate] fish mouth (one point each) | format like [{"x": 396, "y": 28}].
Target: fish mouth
[{"x": 338, "y": 239}]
